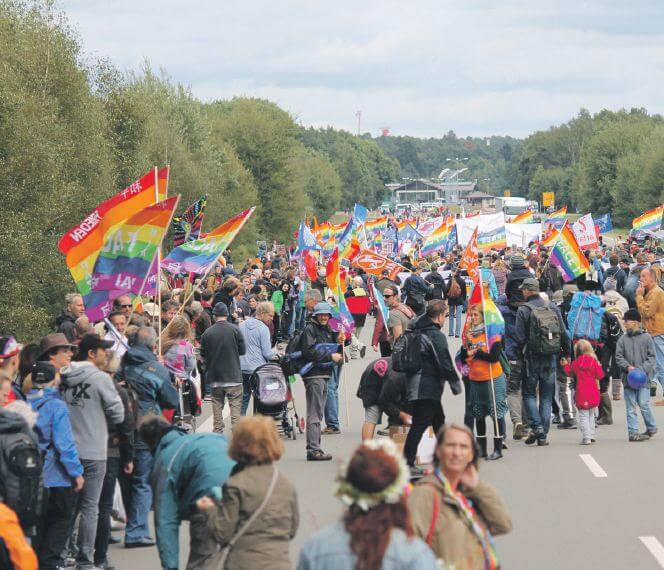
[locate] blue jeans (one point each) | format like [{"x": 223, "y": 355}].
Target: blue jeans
[
  {"x": 539, "y": 374},
  {"x": 141, "y": 497},
  {"x": 455, "y": 314},
  {"x": 332, "y": 401},
  {"x": 659, "y": 353},
  {"x": 246, "y": 392},
  {"x": 639, "y": 398}
]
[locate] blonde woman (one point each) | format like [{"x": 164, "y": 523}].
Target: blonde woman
[{"x": 176, "y": 348}]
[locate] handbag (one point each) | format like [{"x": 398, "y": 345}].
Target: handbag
[{"x": 218, "y": 561}]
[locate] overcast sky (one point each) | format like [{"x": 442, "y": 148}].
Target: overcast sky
[{"x": 420, "y": 68}]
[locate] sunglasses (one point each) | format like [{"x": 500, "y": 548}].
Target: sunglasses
[
  {"x": 387, "y": 296},
  {"x": 129, "y": 306}
]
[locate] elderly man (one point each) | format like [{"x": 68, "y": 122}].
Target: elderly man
[
  {"x": 66, "y": 321},
  {"x": 650, "y": 303}
]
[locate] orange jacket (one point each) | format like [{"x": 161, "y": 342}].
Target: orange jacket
[{"x": 11, "y": 534}]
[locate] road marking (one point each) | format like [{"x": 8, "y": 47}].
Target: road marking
[
  {"x": 655, "y": 547},
  {"x": 594, "y": 467}
]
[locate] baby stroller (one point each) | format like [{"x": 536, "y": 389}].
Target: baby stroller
[
  {"x": 273, "y": 397},
  {"x": 189, "y": 403}
]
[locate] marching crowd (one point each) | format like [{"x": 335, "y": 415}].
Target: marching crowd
[{"x": 98, "y": 416}]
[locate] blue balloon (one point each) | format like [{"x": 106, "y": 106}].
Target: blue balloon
[{"x": 637, "y": 379}]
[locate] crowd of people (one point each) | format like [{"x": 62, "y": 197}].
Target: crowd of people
[{"x": 105, "y": 412}]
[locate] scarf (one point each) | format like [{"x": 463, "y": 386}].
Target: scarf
[{"x": 470, "y": 517}]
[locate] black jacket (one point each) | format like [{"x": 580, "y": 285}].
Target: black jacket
[
  {"x": 221, "y": 347},
  {"x": 618, "y": 273},
  {"x": 314, "y": 333},
  {"x": 66, "y": 323},
  {"x": 437, "y": 366},
  {"x": 522, "y": 328},
  {"x": 455, "y": 301},
  {"x": 514, "y": 280},
  {"x": 436, "y": 279},
  {"x": 393, "y": 397},
  {"x": 121, "y": 436},
  {"x": 415, "y": 288},
  {"x": 551, "y": 280}
]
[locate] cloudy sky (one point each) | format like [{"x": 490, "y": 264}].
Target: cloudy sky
[{"x": 419, "y": 67}]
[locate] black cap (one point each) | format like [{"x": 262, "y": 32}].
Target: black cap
[
  {"x": 43, "y": 373},
  {"x": 220, "y": 310},
  {"x": 632, "y": 315},
  {"x": 92, "y": 341}
]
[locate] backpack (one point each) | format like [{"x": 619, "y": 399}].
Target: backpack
[
  {"x": 585, "y": 317},
  {"x": 21, "y": 466},
  {"x": 407, "y": 353},
  {"x": 611, "y": 308},
  {"x": 615, "y": 328},
  {"x": 544, "y": 334},
  {"x": 292, "y": 360},
  {"x": 455, "y": 289}
]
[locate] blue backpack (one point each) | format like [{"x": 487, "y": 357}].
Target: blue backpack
[{"x": 584, "y": 319}]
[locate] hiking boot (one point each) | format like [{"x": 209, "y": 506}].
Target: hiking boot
[
  {"x": 331, "y": 431},
  {"x": 567, "y": 424},
  {"x": 519, "y": 432},
  {"x": 638, "y": 437},
  {"x": 533, "y": 437},
  {"x": 318, "y": 455}
]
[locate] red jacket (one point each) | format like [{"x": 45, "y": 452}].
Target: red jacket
[{"x": 587, "y": 372}]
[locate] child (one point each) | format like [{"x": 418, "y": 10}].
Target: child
[
  {"x": 636, "y": 349},
  {"x": 587, "y": 371}
]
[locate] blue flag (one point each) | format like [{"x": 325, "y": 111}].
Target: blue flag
[
  {"x": 604, "y": 223},
  {"x": 451, "y": 240},
  {"x": 382, "y": 307},
  {"x": 360, "y": 214},
  {"x": 306, "y": 239}
]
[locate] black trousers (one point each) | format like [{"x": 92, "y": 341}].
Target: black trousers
[
  {"x": 385, "y": 348},
  {"x": 425, "y": 413},
  {"x": 105, "y": 508},
  {"x": 57, "y": 524}
]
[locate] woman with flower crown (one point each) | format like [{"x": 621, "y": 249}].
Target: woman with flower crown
[
  {"x": 375, "y": 532},
  {"x": 453, "y": 511}
]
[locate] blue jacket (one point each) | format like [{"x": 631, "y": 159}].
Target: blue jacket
[
  {"x": 258, "y": 346},
  {"x": 186, "y": 467},
  {"x": 489, "y": 278},
  {"x": 151, "y": 382},
  {"x": 56, "y": 439}
]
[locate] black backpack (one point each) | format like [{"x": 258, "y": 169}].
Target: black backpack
[
  {"x": 21, "y": 466},
  {"x": 407, "y": 353},
  {"x": 544, "y": 334}
]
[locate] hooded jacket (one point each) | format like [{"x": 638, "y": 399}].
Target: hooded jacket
[
  {"x": 315, "y": 334},
  {"x": 636, "y": 348},
  {"x": 437, "y": 367},
  {"x": 66, "y": 323},
  {"x": 221, "y": 347},
  {"x": 186, "y": 467},
  {"x": 587, "y": 372},
  {"x": 56, "y": 439},
  {"x": 92, "y": 401},
  {"x": 257, "y": 343},
  {"x": 514, "y": 280}
]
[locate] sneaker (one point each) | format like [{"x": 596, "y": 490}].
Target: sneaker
[
  {"x": 649, "y": 433},
  {"x": 592, "y": 440},
  {"x": 586, "y": 441},
  {"x": 532, "y": 438},
  {"x": 555, "y": 420},
  {"x": 363, "y": 351},
  {"x": 567, "y": 424},
  {"x": 331, "y": 431},
  {"x": 143, "y": 543},
  {"x": 383, "y": 432},
  {"x": 519, "y": 432},
  {"x": 318, "y": 455},
  {"x": 542, "y": 442},
  {"x": 638, "y": 437}
]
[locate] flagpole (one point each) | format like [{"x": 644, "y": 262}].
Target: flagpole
[{"x": 156, "y": 193}]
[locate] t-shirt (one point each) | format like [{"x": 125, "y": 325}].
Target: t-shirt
[{"x": 397, "y": 317}]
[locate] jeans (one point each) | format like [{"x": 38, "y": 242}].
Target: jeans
[
  {"x": 639, "y": 398},
  {"x": 455, "y": 315},
  {"x": 539, "y": 374},
  {"x": 105, "y": 508},
  {"x": 246, "y": 392},
  {"x": 587, "y": 424},
  {"x": 514, "y": 398},
  {"x": 137, "y": 528},
  {"x": 59, "y": 512},
  {"x": 316, "y": 395},
  {"x": 425, "y": 413},
  {"x": 332, "y": 401},
  {"x": 88, "y": 509},
  {"x": 219, "y": 395},
  {"x": 659, "y": 353}
]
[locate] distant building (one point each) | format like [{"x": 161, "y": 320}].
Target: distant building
[
  {"x": 481, "y": 199},
  {"x": 448, "y": 189}
]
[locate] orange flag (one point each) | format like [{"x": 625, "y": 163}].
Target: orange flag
[{"x": 469, "y": 260}]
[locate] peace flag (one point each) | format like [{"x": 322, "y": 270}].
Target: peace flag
[
  {"x": 306, "y": 239},
  {"x": 567, "y": 256},
  {"x": 436, "y": 240},
  {"x": 81, "y": 244},
  {"x": 199, "y": 256},
  {"x": 650, "y": 220},
  {"x": 382, "y": 306},
  {"x": 523, "y": 218},
  {"x": 556, "y": 219},
  {"x": 494, "y": 324},
  {"x": 493, "y": 239},
  {"x": 379, "y": 224},
  {"x": 340, "y": 311}
]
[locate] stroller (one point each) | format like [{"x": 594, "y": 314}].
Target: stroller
[
  {"x": 189, "y": 403},
  {"x": 273, "y": 397}
]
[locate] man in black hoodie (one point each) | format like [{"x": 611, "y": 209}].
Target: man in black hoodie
[
  {"x": 66, "y": 321},
  {"x": 425, "y": 388},
  {"x": 518, "y": 272}
]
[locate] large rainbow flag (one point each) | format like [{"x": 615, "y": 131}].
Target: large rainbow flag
[
  {"x": 493, "y": 239},
  {"x": 493, "y": 319},
  {"x": 199, "y": 256},
  {"x": 556, "y": 219},
  {"x": 81, "y": 244},
  {"x": 523, "y": 218},
  {"x": 340, "y": 311},
  {"x": 567, "y": 256},
  {"x": 650, "y": 220},
  {"x": 379, "y": 224},
  {"x": 124, "y": 262},
  {"x": 436, "y": 240}
]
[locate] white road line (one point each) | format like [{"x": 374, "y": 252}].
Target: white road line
[
  {"x": 594, "y": 467},
  {"x": 655, "y": 547}
]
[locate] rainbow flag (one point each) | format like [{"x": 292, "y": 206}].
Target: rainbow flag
[
  {"x": 523, "y": 218},
  {"x": 336, "y": 231},
  {"x": 378, "y": 241},
  {"x": 81, "y": 244},
  {"x": 379, "y": 224},
  {"x": 198, "y": 256},
  {"x": 340, "y": 311},
  {"x": 436, "y": 240},
  {"x": 494, "y": 239},
  {"x": 494, "y": 323},
  {"x": 650, "y": 220},
  {"x": 550, "y": 239},
  {"x": 124, "y": 263},
  {"x": 567, "y": 256},
  {"x": 556, "y": 219}
]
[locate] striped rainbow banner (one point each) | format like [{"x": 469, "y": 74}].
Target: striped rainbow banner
[
  {"x": 650, "y": 220},
  {"x": 567, "y": 256},
  {"x": 523, "y": 218}
]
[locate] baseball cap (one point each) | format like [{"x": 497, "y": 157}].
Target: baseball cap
[
  {"x": 43, "y": 373},
  {"x": 530, "y": 284},
  {"x": 92, "y": 341},
  {"x": 8, "y": 347}
]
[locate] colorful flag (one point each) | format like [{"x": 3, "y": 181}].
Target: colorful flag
[
  {"x": 375, "y": 263},
  {"x": 306, "y": 239},
  {"x": 187, "y": 227},
  {"x": 650, "y": 220},
  {"x": 452, "y": 240},
  {"x": 585, "y": 233},
  {"x": 310, "y": 265},
  {"x": 378, "y": 241},
  {"x": 123, "y": 264},
  {"x": 604, "y": 223},
  {"x": 469, "y": 260},
  {"x": 556, "y": 219},
  {"x": 382, "y": 306},
  {"x": 436, "y": 240},
  {"x": 81, "y": 244},
  {"x": 360, "y": 214},
  {"x": 567, "y": 256},
  {"x": 523, "y": 218},
  {"x": 550, "y": 239},
  {"x": 493, "y": 239},
  {"x": 199, "y": 256},
  {"x": 379, "y": 224},
  {"x": 340, "y": 311}
]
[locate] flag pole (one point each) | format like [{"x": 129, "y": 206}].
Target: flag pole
[{"x": 156, "y": 194}]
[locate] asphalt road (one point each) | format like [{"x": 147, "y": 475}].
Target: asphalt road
[{"x": 603, "y": 511}]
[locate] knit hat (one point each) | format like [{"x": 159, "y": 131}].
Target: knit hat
[
  {"x": 632, "y": 315},
  {"x": 517, "y": 261}
]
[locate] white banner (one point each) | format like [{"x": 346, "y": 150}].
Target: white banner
[
  {"x": 522, "y": 234},
  {"x": 584, "y": 232},
  {"x": 486, "y": 223}
]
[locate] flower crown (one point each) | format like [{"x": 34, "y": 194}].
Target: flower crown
[{"x": 350, "y": 495}]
